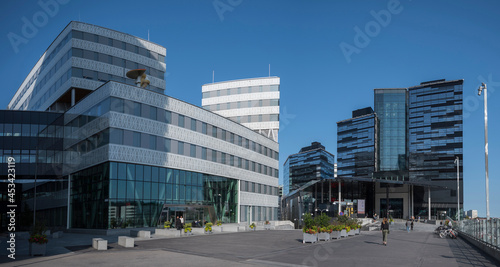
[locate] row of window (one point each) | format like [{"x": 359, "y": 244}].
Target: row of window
[
  {"x": 158, "y": 143},
  {"x": 244, "y": 104},
  {"x": 116, "y": 61},
  {"x": 255, "y": 118},
  {"x": 258, "y": 213},
  {"x": 45, "y": 62},
  {"x": 242, "y": 90},
  {"x": 104, "y": 77},
  {"x": 117, "y": 44},
  {"x": 57, "y": 84},
  {"x": 146, "y": 111},
  {"x": 43, "y": 81},
  {"x": 246, "y": 186}
]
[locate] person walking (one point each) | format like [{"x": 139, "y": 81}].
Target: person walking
[
  {"x": 178, "y": 223},
  {"x": 412, "y": 225},
  {"x": 408, "y": 225},
  {"x": 385, "y": 230}
]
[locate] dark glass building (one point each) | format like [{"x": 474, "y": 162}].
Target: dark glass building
[
  {"x": 311, "y": 163},
  {"x": 356, "y": 144},
  {"x": 435, "y": 139},
  {"x": 418, "y": 136}
]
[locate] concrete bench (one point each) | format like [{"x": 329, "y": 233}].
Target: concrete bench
[
  {"x": 126, "y": 241},
  {"x": 145, "y": 234},
  {"x": 99, "y": 244}
]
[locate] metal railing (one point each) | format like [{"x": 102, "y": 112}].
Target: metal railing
[{"x": 486, "y": 231}]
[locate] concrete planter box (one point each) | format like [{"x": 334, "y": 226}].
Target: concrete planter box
[
  {"x": 357, "y": 231},
  {"x": 167, "y": 232},
  {"x": 324, "y": 236},
  {"x": 267, "y": 226},
  {"x": 309, "y": 238},
  {"x": 188, "y": 233},
  {"x": 335, "y": 234},
  {"x": 38, "y": 249},
  {"x": 208, "y": 232},
  {"x": 343, "y": 233},
  {"x": 350, "y": 233}
]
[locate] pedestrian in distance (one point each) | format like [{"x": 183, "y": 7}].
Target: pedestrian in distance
[
  {"x": 385, "y": 230},
  {"x": 408, "y": 225},
  {"x": 178, "y": 223},
  {"x": 412, "y": 225}
]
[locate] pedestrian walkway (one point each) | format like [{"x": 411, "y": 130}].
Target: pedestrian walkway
[{"x": 277, "y": 248}]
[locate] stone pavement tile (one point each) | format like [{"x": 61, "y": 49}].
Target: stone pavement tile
[{"x": 272, "y": 248}]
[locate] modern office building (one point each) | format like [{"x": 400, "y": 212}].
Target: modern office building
[
  {"x": 419, "y": 136},
  {"x": 435, "y": 123},
  {"x": 251, "y": 102},
  {"x": 131, "y": 156},
  {"x": 357, "y": 143},
  {"x": 311, "y": 163}
]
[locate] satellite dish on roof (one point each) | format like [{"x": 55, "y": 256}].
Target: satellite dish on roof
[{"x": 139, "y": 75}]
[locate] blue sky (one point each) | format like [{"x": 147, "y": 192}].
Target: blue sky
[{"x": 320, "y": 85}]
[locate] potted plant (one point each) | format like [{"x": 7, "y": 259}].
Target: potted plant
[
  {"x": 253, "y": 227},
  {"x": 343, "y": 231},
  {"x": 310, "y": 230},
  {"x": 218, "y": 223},
  {"x": 188, "y": 229},
  {"x": 267, "y": 225},
  {"x": 358, "y": 229},
  {"x": 324, "y": 233},
  {"x": 335, "y": 231},
  {"x": 310, "y": 235},
  {"x": 38, "y": 240},
  {"x": 208, "y": 228},
  {"x": 167, "y": 224}
]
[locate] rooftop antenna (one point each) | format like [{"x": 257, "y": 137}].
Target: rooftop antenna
[
  {"x": 269, "y": 70},
  {"x": 148, "y": 34},
  {"x": 213, "y": 76}
]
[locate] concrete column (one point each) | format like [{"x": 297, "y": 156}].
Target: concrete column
[
  {"x": 73, "y": 98},
  {"x": 340, "y": 196},
  {"x": 412, "y": 202},
  {"x": 387, "y": 201},
  {"x": 329, "y": 191},
  {"x": 429, "y": 201},
  {"x": 68, "y": 216}
]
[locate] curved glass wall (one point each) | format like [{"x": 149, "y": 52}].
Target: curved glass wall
[{"x": 113, "y": 195}]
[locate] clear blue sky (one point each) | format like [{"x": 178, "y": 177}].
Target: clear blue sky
[{"x": 424, "y": 40}]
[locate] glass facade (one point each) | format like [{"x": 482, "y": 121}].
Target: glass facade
[
  {"x": 311, "y": 163},
  {"x": 436, "y": 136},
  {"x": 131, "y": 195},
  {"x": 34, "y": 140},
  {"x": 390, "y": 107},
  {"x": 356, "y": 145}
]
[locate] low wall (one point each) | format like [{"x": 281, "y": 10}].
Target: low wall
[{"x": 488, "y": 249}]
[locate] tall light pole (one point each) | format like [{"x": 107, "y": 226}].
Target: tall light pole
[
  {"x": 479, "y": 90},
  {"x": 457, "y": 161}
]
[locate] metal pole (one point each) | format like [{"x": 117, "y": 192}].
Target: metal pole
[
  {"x": 481, "y": 88},
  {"x": 457, "y": 161},
  {"x": 429, "y": 200}
]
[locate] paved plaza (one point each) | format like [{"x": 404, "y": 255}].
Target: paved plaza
[{"x": 261, "y": 248}]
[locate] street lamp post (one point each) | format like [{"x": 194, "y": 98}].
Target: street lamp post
[
  {"x": 479, "y": 91},
  {"x": 457, "y": 161},
  {"x": 321, "y": 210}
]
